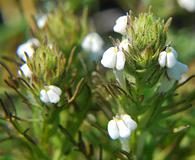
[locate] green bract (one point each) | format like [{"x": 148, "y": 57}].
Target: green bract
[
  {"x": 147, "y": 36},
  {"x": 48, "y": 65}
]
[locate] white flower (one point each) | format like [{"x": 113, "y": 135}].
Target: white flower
[
  {"x": 113, "y": 58},
  {"x": 27, "y": 48},
  {"x": 93, "y": 43},
  {"x": 121, "y": 25},
  {"x": 124, "y": 45},
  {"x": 121, "y": 127},
  {"x": 25, "y": 71},
  {"x": 189, "y": 5},
  {"x": 168, "y": 58},
  {"x": 50, "y": 94},
  {"x": 177, "y": 71},
  {"x": 41, "y": 22}
]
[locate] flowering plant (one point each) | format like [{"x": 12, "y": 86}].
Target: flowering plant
[{"x": 71, "y": 108}]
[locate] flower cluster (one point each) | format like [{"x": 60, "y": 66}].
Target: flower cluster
[
  {"x": 28, "y": 53},
  {"x": 114, "y": 57},
  {"x": 141, "y": 51}
]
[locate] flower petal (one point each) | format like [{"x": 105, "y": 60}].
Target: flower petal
[
  {"x": 173, "y": 73},
  {"x": 124, "y": 131},
  {"x": 43, "y": 96},
  {"x": 109, "y": 57},
  {"x": 113, "y": 129},
  {"x": 120, "y": 61},
  {"x": 171, "y": 59},
  {"x": 25, "y": 70},
  {"x": 174, "y": 52},
  {"x": 183, "y": 68},
  {"x": 57, "y": 90},
  {"x": 53, "y": 96},
  {"x": 162, "y": 58},
  {"x": 121, "y": 24},
  {"x": 130, "y": 123},
  {"x": 177, "y": 71},
  {"x": 25, "y": 48},
  {"x": 124, "y": 45}
]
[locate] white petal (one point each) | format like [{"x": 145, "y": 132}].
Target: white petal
[
  {"x": 43, "y": 96},
  {"x": 130, "y": 123},
  {"x": 93, "y": 43},
  {"x": 25, "y": 70},
  {"x": 174, "y": 52},
  {"x": 120, "y": 60},
  {"x": 177, "y": 71},
  {"x": 121, "y": 24},
  {"x": 53, "y": 96},
  {"x": 109, "y": 58},
  {"x": 57, "y": 90},
  {"x": 124, "y": 45},
  {"x": 173, "y": 73},
  {"x": 162, "y": 58},
  {"x": 113, "y": 129},
  {"x": 171, "y": 59},
  {"x": 25, "y": 48},
  {"x": 183, "y": 68},
  {"x": 124, "y": 131}
]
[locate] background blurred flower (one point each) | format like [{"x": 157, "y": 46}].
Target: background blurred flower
[
  {"x": 189, "y": 5},
  {"x": 93, "y": 43},
  {"x": 41, "y": 22}
]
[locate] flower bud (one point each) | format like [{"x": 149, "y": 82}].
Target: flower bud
[{"x": 121, "y": 127}]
